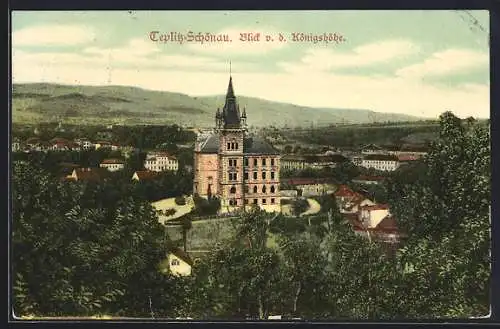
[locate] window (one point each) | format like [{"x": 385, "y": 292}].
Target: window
[
  {"x": 263, "y": 201},
  {"x": 236, "y": 145},
  {"x": 230, "y": 176},
  {"x": 254, "y": 175},
  {"x": 175, "y": 262},
  {"x": 272, "y": 162},
  {"x": 246, "y": 189},
  {"x": 246, "y": 175},
  {"x": 246, "y": 162},
  {"x": 235, "y": 162},
  {"x": 235, "y": 176},
  {"x": 246, "y": 201},
  {"x": 263, "y": 162},
  {"x": 272, "y": 189},
  {"x": 255, "y": 162},
  {"x": 264, "y": 189},
  {"x": 232, "y": 190},
  {"x": 233, "y": 202},
  {"x": 254, "y": 201},
  {"x": 272, "y": 200},
  {"x": 255, "y": 189},
  {"x": 263, "y": 175},
  {"x": 230, "y": 162},
  {"x": 228, "y": 146},
  {"x": 272, "y": 174}
]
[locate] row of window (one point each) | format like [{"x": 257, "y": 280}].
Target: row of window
[
  {"x": 234, "y": 202},
  {"x": 272, "y": 189},
  {"x": 234, "y": 162},
  {"x": 232, "y": 146},
  {"x": 234, "y": 176}
]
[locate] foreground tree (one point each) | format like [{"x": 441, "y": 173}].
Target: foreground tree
[
  {"x": 84, "y": 249},
  {"x": 447, "y": 215}
]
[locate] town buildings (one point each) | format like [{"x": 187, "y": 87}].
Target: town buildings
[
  {"x": 113, "y": 164},
  {"x": 382, "y": 162},
  {"x": 241, "y": 169},
  {"x": 161, "y": 161},
  {"x": 311, "y": 161}
]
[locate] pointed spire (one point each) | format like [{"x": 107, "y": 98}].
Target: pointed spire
[
  {"x": 230, "y": 112},
  {"x": 230, "y": 90},
  {"x": 244, "y": 115}
]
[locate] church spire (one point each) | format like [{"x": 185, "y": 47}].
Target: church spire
[{"x": 230, "y": 112}]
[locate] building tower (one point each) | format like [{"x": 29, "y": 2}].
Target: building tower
[{"x": 231, "y": 150}]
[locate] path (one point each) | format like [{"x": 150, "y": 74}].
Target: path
[
  {"x": 169, "y": 203},
  {"x": 314, "y": 208}
]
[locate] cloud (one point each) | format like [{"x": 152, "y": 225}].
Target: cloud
[
  {"x": 319, "y": 59},
  {"x": 446, "y": 62},
  {"x": 50, "y": 35},
  {"x": 239, "y": 47}
]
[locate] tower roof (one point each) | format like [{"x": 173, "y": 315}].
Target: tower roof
[{"x": 231, "y": 112}]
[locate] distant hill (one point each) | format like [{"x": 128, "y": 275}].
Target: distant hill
[{"x": 37, "y": 102}]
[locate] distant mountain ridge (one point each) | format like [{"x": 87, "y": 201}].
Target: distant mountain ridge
[{"x": 36, "y": 102}]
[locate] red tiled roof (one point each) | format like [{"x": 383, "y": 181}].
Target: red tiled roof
[
  {"x": 388, "y": 224},
  {"x": 355, "y": 223},
  {"x": 345, "y": 191},
  {"x": 146, "y": 174},
  {"x": 91, "y": 174},
  {"x": 112, "y": 161},
  {"x": 408, "y": 157}
]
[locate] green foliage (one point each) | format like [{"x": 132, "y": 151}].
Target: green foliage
[
  {"x": 299, "y": 206},
  {"x": 82, "y": 249},
  {"x": 180, "y": 201},
  {"x": 447, "y": 214},
  {"x": 206, "y": 207}
]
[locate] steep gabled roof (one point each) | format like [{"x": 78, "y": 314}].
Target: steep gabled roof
[
  {"x": 91, "y": 174},
  {"x": 231, "y": 111},
  {"x": 182, "y": 255}
]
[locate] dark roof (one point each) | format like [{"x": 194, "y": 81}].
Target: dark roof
[
  {"x": 231, "y": 111},
  {"x": 308, "y": 181},
  {"x": 91, "y": 174},
  {"x": 251, "y": 145},
  {"x": 182, "y": 255},
  {"x": 381, "y": 157}
]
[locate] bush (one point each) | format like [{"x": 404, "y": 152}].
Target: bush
[
  {"x": 169, "y": 212},
  {"x": 180, "y": 201},
  {"x": 299, "y": 206}
]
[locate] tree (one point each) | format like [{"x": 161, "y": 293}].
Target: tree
[
  {"x": 79, "y": 248},
  {"x": 186, "y": 225},
  {"x": 447, "y": 215}
]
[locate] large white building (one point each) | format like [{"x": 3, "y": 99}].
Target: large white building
[
  {"x": 161, "y": 161},
  {"x": 113, "y": 164},
  {"x": 383, "y": 162}
]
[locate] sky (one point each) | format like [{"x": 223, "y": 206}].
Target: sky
[{"x": 420, "y": 63}]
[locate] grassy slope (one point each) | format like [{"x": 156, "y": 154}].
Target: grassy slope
[{"x": 130, "y": 105}]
